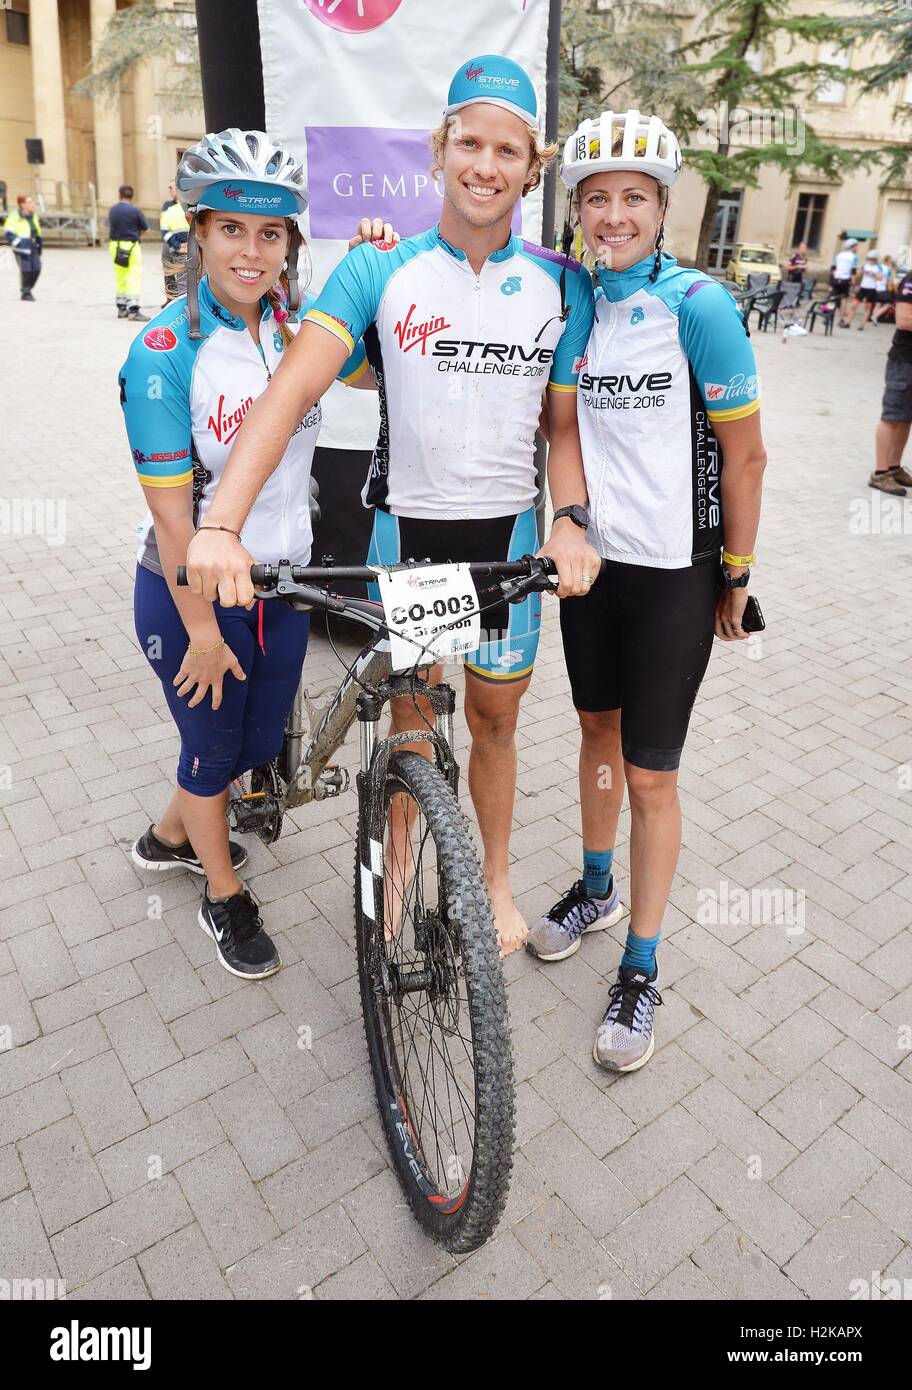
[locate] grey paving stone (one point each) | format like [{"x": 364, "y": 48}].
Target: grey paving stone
[
  {"x": 853, "y": 979},
  {"x": 87, "y": 997},
  {"x": 727, "y": 1010},
  {"x": 740, "y": 1270},
  {"x": 809, "y": 1105},
  {"x": 227, "y": 1205},
  {"x": 323, "y": 1176},
  {"x": 103, "y": 1100},
  {"x": 533, "y": 1114},
  {"x": 123, "y": 1282},
  {"x": 885, "y": 1087},
  {"x": 533, "y": 1049},
  {"x": 12, "y": 1175},
  {"x": 42, "y": 961},
  {"x": 729, "y": 1063},
  {"x": 889, "y": 1198},
  {"x": 883, "y": 1136},
  {"x": 183, "y": 1267},
  {"x": 673, "y": 1073},
  {"x": 735, "y": 1125},
  {"x": 660, "y": 1152},
  {"x": 333, "y": 1108},
  {"x": 136, "y": 1222},
  {"x": 257, "y": 1126},
  {"x": 686, "y": 1282},
  {"x": 752, "y": 1204},
  {"x": 62, "y": 1176},
  {"x": 409, "y": 1259},
  {"x": 576, "y": 1264},
  {"x": 587, "y": 1186},
  {"x": 173, "y": 985},
  {"x": 787, "y": 988},
  {"x": 46, "y": 1056},
  {"x": 226, "y": 1018},
  {"x": 26, "y": 1253},
  {"x": 138, "y": 1036},
  {"x": 874, "y": 1033},
  {"x": 17, "y": 1017},
  {"x": 193, "y": 1079},
  {"x": 826, "y": 1175},
  {"x": 652, "y": 1241},
  {"x": 503, "y": 1264},
  {"x": 159, "y": 1149},
  {"x": 292, "y": 1070},
  {"x": 853, "y": 1245},
  {"x": 294, "y": 1264},
  {"x": 363, "y": 1281},
  {"x": 797, "y": 1043},
  {"x": 588, "y": 1109}
]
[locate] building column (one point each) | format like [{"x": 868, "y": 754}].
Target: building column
[
  {"x": 108, "y": 128},
  {"x": 147, "y": 137},
  {"x": 47, "y": 93}
]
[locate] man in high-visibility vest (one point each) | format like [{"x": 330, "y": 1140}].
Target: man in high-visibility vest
[
  {"x": 175, "y": 231},
  {"x": 126, "y": 224},
  {"x": 23, "y": 232}
]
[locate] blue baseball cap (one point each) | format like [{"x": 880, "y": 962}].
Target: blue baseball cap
[
  {"x": 244, "y": 195},
  {"x": 499, "y": 82}
]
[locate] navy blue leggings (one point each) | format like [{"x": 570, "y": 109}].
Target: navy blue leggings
[{"x": 246, "y": 730}]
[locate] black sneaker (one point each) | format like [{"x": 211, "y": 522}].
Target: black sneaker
[
  {"x": 236, "y": 927},
  {"x": 150, "y": 852},
  {"x": 28, "y": 295},
  {"x": 137, "y": 317}
]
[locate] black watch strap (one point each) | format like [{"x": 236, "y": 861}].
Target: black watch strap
[{"x": 577, "y": 514}]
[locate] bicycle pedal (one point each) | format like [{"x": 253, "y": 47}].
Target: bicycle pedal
[{"x": 332, "y": 781}]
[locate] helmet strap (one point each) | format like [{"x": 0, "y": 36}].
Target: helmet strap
[
  {"x": 294, "y": 288},
  {"x": 660, "y": 242},
  {"x": 193, "y": 270}
]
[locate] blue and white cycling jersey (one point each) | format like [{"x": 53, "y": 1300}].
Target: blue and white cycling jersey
[
  {"x": 184, "y": 401},
  {"x": 462, "y": 361},
  {"x": 665, "y": 360}
]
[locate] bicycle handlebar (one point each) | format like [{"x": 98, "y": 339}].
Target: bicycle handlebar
[{"x": 311, "y": 574}]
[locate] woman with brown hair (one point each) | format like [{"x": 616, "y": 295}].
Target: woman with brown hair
[{"x": 229, "y": 674}]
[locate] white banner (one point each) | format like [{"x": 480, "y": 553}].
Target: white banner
[{"x": 355, "y": 87}]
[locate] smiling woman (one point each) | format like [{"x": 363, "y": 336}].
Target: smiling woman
[{"x": 244, "y": 256}]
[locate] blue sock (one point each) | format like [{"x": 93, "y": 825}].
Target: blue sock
[
  {"x": 640, "y": 952},
  {"x": 597, "y": 871}
]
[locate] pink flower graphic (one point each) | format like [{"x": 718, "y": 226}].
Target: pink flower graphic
[{"x": 353, "y": 16}]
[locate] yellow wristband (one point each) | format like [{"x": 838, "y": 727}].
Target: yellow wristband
[{"x": 743, "y": 561}]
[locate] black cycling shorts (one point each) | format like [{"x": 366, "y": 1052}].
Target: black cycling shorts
[{"x": 640, "y": 642}]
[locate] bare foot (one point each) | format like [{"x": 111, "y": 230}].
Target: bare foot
[{"x": 512, "y": 930}]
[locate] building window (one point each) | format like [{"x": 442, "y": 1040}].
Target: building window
[
  {"x": 17, "y": 27},
  {"x": 809, "y": 220},
  {"x": 832, "y": 91}
]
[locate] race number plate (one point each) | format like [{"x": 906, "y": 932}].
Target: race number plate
[{"x": 432, "y": 613}]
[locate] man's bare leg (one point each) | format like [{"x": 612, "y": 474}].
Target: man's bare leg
[
  {"x": 491, "y": 713},
  {"x": 891, "y": 439},
  {"x": 399, "y": 860}
]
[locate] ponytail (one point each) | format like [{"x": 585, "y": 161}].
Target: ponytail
[{"x": 278, "y": 297}]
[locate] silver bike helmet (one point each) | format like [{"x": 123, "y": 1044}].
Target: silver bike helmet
[{"x": 241, "y": 171}]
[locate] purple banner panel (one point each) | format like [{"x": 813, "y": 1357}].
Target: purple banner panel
[{"x": 355, "y": 171}]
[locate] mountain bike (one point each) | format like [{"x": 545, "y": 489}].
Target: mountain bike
[{"x": 429, "y": 967}]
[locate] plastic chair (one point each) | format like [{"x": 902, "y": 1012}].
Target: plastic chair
[
  {"x": 826, "y": 310},
  {"x": 767, "y": 305},
  {"x": 757, "y": 279}
]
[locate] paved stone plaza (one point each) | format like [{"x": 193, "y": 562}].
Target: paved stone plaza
[{"x": 764, "y": 1152}]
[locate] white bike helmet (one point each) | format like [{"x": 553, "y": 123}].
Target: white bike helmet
[
  {"x": 241, "y": 171},
  {"x": 622, "y": 140}
]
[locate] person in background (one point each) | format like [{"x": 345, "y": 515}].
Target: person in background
[
  {"x": 886, "y": 285},
  {"x": 872, "y": 275},
  {"x": 798, "y": 263},
  {"x": 842, "y": 273},
  {"x": 175, "y": 232},
  {"x": 126, "y": 224},
  {"x": 896, "y": 412},
  {"x": 23, "y": 232}
]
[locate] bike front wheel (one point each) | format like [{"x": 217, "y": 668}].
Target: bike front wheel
[{"x": 435, "y": 1005}]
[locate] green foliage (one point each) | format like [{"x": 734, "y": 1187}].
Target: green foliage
[{"x": 143, "y": 31}]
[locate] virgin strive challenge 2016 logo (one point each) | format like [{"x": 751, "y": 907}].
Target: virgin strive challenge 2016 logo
[{"x": 353, "y": 16}]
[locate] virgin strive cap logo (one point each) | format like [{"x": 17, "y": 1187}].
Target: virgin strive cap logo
[
  {"x": 353, "y": 16},
  {"x": 473, "y": 74}
]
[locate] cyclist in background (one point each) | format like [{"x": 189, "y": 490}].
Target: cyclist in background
[
  {"x": 229, "y": 674},
  {"x": 668, "y": 392},
  {"x": 465, "y": 326}
]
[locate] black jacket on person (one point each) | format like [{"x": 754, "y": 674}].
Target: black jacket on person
[{"x": 126, "y": 222}]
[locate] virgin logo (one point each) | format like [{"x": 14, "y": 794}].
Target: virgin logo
[
  {"x": 225, "y": 424},
  {"x": 473, "y": 74},
  {"x": 412, "y": 334},
  {"x": 160, "y": 339},
  {"x": 353, "y": 16},
  {"x": 233, "y": 192}
]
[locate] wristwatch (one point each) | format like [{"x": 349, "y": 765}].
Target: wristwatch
[
  {"x": 730, "y": 583},
  {"x": 577, "y": 514}
]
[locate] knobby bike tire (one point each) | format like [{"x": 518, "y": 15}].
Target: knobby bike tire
[{"x": 461, "y": 886}]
